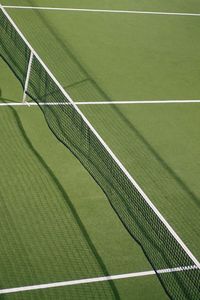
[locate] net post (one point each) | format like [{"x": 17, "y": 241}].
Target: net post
[{"x": 27, "y": 77}]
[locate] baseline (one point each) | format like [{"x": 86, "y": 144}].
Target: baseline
[{"x": 103, "y": 10}]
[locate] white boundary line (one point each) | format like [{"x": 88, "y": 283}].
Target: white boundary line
[
  {"x": 101, "y": 102},
  {"x": 106, "y": 147},
  {"x": 92, "y": 280},
  {"x": 104, "y": 10}
]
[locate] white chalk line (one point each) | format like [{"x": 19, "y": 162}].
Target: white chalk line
[
  {"x": 103, "y": 10},
  {"x": 96, "y": 279},
  {"x": 100, "y": 102},
  {"x": 109, "y": 151}
]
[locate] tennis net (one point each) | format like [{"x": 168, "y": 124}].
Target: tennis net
[{"x": 161, "y": 245}]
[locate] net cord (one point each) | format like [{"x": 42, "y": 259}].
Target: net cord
[{"x": 132, "y": 180}]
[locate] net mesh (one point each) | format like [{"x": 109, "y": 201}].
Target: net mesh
[
  {"x": 160, "y": 247},
  {"x": 15, "y": 52}
]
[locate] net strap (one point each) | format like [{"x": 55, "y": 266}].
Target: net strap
[{"x": 27, "y": 77}]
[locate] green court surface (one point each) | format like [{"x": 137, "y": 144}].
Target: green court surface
[
  {"x": 56, "y": 224},
  {"x": 42, "y": 184}
]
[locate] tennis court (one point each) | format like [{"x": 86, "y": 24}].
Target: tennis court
[{"x": 132, "y": 68}]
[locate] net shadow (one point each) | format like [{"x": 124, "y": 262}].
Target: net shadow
[{"x": 83, "y": 258}]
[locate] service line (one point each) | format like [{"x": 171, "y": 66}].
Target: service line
[{"x": 92, "y": 280}]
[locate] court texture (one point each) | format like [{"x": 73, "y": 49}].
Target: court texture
[{"x": 100, "y": 149}]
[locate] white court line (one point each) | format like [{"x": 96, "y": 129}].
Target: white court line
[
  {"x": 92, "y": 280},
  {"x": 106, "y": 148},
  {"x": 104, "y": 10},
  {"x": 100, "y": 102}
]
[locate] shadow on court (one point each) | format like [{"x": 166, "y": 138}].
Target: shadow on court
[
  {"x": 89, "y": 88},
  {"x": 43, "y": 187}
]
